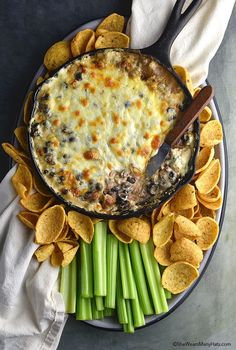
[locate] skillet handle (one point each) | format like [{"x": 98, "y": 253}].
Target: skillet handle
[{"x": 176, "y": 22}]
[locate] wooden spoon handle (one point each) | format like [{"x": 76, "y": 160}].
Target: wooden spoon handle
[{"x": 190, "y": 114}]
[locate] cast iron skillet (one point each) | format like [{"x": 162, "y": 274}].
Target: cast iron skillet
[{"x": 160, "y": 52}]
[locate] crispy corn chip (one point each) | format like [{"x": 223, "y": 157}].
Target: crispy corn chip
[
  {"x": 57, "y": 55},
  {"x": 36, "y": 202},
  {"x": 27, "y": 107},
  {"x": 204, "y": 158},
  {"x": 135, "y": 228},
  {"x": 205, "y": 115},
  {"x": 64, "y": 232},
  {"x": 22, "y": 181},
  {"x": 81, "y": 41},
  {"x": 40, "y": 187},
  {"x": 210, "y": 231},
  {"x": 212, "y": 196},
  {"x": 196, "y": 91},
  {"x": 179, "y": 276},
  {"x": 187, "y": 213},
  {"x": 81, "y": 225},
  {"x": 56, "y": 257},
  {"x": 185, "y": 77},
  {"x": 21, "y": 135},
  {"x": 50, "y": 225},
  {"x": 95, "y": 220},
  {"x": 28, "y": 218},
  {"x": 209, "y": 178},
  {"x": 18, "y": 156},
  {"x": 163, "y": 230},
  {"x": 162, "y": 254},
  {"x": 185, "y": 250},
  {"x": 69, "y": 256},
  {"x": 112, "y": 39},
  {"x": 91, "y": 43},
  {"x": 211, "y": 205},
  {"x": 44, "y": 252},
  {"x": 184, "y": 199},
  {"x": 154, "y": 215},
  {"x": 117, "y": 233},
  {"x": 211, "y": 134},
  {"x": 206, "y": 211},
  {"x": 112, "y": 23},
  {"x": 186, "y": 228}
]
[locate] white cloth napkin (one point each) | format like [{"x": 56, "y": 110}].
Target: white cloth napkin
[
  {"x": 197, "y": 43},
  {"x": 31, "y": 308}
]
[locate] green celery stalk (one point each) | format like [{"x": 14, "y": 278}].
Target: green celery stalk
[
  {"x": 99, "y": 303},
  {"x": 99, "y": 258},
  {"x": 140, "y": 280},
  {"x": 64, "y": 285},
  {"x": 137, "y": 312},
  {"x": 120, "y": 301},
  {"x": 83, "y": 305},
  {"x": 73, "y": 286},
  {"x": 148, "y": 266},
  {"x": 68, "y": 286},
  {"x": 128, "y": 327},
  {"x": 112, "y": 257},
  {"x": 168, "y": 294},
  {"x": 97, "y": 315},
  {"x": 127, "y": 278},
  {"x": 157, "y": 274},
  {"x": 86, "y": 270},
  {"x": 108, "y": 312}
]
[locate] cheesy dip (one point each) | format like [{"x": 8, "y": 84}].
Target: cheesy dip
[{"x": 96, "y": 123}]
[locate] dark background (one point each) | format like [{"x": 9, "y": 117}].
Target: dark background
[{"x": 27, "y": 29}]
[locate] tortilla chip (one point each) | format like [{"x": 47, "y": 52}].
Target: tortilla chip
[
  {"x": 69, "y": 256},
  {"x": 210, "y": 230},
  {"x": 22, "y": 181},
  {"x": 44, "y": 252},
  {"x": 206, "y": 211},
  {"x": 184, "y": 199},
  {"x": 179, "y": 276},
  {"x": 162, "y": 254},
  {"x": 21, "y": 134},
  {"x": 57, "y": 55},
  {"x": 185, "y": 250},
  {"x": 117, "y": 233},
  {"x": 205, "y": 115},
  {"x": 36, "y": 202},
  {"x": 81, "y": 41},
  {"x": 112, "y": 39},
  {"x": 204, "y": 158},
  {"x": 81, "y": 225},
  {"x": 112, "y": 23},
  {"x": 186, "y": 228},
  {"x": 185, "y": 77},
  {"x": 212, "y": 196},
  {"x": 211, "y": 205},
  {"x": 163, "y": 230},
  {"x": 40, "y": 187},
  {"x": 28, "y": 218},
  {"x": 135, "y": 228},
  {"x": 209, "y": 178},
  {"x": 18, "y": 156},
  {"x": 211, "y": 134}
]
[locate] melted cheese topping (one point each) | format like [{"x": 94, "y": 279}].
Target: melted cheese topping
[{"x": 104, "y": 113}]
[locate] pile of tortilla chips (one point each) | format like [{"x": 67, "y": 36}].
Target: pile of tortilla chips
[{"x": 182, "y": 229}]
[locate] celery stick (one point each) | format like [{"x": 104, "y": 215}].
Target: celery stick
[
  {"x": 99, "y": 303},
  {"x": 108, "y": 312},
  {"x": 99, "y": 258},
  {"x": 148, "y": 266},
  {"x": 127, "y": 278},
  {"x": 86, "y": 270},
  {"x": 97, "y": 315},
  {"x": 139, "y": 277},
  {"x": 129, "y": 327},
  {"x": 168, "y": 294},
  {"x": 73, "y": 286},
  {"x": 64, "y": 286},
  {"x": 112, "y": 255},
  {"x": 83, "y": 305},
  {"x": 160, "y": 289},
  {"x": 120, "y": 301},
  {"x": 137, "y": 312}
]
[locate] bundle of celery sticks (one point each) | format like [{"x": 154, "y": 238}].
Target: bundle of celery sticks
[{"x": 111, "y": 278}]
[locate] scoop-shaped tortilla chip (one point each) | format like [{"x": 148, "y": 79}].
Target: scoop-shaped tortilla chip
[
  {"x": 163, "y": 230},
  {"x": 112, "y": 23},
  {"x": 162, "y": 254},
  {"x": 50, "y": 224},
  {"x": 184, "y": 75},
  {"x": 186, "y": 228},
  {"x": 69, "y": 256},
  {"x": 112, "y": 39},
  {"x": 119, "y": 235},
  {"x": 57, "y": 55},
  {"x": 179, "y": 276},
  {"x": 28, "y": 218},
  {"x": 22, "y": 181},
  {"x": 83, "y": 40},
  {"x": 135, "y": 228},
  {"x": 210, "y": 230},
  {"x": 204, "y": 158},
  {"x": 81, "y": 225},
  {"x": 40, "y": 187},
  {"x": 209, "y": 178},
  {"x": 212, "y": 196},
  {"x": 18, "y": 156},
  {"x": 36, "y": 202},
  {"x": 205, "y": 115},
  {"x": 211, "y": 134},
  {"x": 185, "y": 250},
  {"x": 184, "y": 199},
  {"x": 44, "y": 252}
]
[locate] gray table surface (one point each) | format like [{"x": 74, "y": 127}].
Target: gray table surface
[{"x": 209, "y": 314}]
